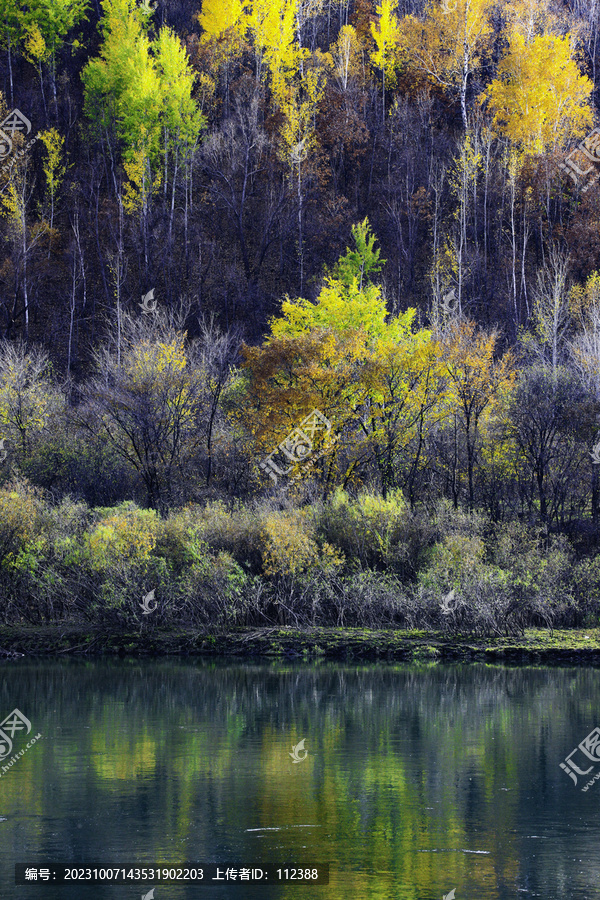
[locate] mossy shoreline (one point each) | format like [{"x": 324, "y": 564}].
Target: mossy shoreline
[{"x": 573, "y": 646}]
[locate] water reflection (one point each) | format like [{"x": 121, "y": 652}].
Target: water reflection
[{"x": 416, "y": 780}]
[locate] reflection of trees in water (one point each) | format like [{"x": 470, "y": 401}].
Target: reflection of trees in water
[
  {"x": 401, "y": 759},
  {"x": 354, "y": 692}
]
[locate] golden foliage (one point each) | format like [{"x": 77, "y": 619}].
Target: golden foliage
[
  {"x": 289, "y": 546},
  {"x": 125, "y": 536},
  {"x": 148, "y": 360},
  {"x": 475, "y": 376},
  {"x": 540, "y": 100},
  {"x": 218, "y": 16},
  {"x": 28, "y": 399},
  {"x": 273, "y": 23},
  {"x": 347, "y": 57},
  {"x": 448, "y": 43},
  {"x": 584, "y": 299},
  {"x": 20, "y": 521},
  {"x": 53, "y": 168},
  {"x": 386, "y": 33}
]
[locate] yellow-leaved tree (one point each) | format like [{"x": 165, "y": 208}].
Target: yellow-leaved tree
[
  {"x": 584, "y": 301},
  {"x": 298, "y": 138},
  {"x": 477, "y": 383},
  {"x": 540, "y": 100},
  {"x": 224, "y": 25},
  {"x": 141, "y": 89},
  {"x": 346, "y": 54},
  {"x": 373, "y": 377},
  {"x": 536, "y": 17},
  {"x": 447, "y": 44},
  {"x": 386, "y": 33},
  {"x": 54, "y": 170},
  {"x": 218, "y": 16},
  {"x": 273, "y": 25}
]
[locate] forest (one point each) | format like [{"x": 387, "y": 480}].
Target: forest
[{"x": 300, "y": 313}]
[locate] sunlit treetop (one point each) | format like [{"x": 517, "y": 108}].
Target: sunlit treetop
[
  {"x": 363, "y": 260},
  {"x": 348, "y": 301},
  {"x": 218, "y": 16},
  {"x": 540, "y": 100},
  {"x": 385, "y": 33}
]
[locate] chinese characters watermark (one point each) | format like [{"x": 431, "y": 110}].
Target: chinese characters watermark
[
  {"x": 298, "y": 445},
  {"x": 32, "y": 874},
  {"x": 589, "y": 148},
  {"x": 590, "y": 748},
  {"x": 15, "y": 121}
]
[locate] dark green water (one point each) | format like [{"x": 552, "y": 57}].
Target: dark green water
[{"x": 418, "y": 779}]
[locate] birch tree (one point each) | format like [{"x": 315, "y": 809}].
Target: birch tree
[{"x": 447, "y": 44}]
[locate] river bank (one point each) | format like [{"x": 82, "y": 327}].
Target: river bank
[{"x": 535, "y": 646}]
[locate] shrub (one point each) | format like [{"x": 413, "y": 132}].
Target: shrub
[
  {"x": 56, "y": 578},
  {"x": 20, "y": 521},
  {"x": 117, "y": 596},
  {"x": 126, "y": 536},
  {"x": 65, "y": 525},
  {"x": 523, "y": 585},
  {"x": 214, "y": 590},
  {"x": 538, "y": 579},
  {"x": 179, "y": 541},
  {"x": 289, "y": 546},
  {"x": 370, "y": 530},
  {"x": 374, "y": 600},
  {"x": 454, "y": 563},
  {"x": 236, "y": 532}
]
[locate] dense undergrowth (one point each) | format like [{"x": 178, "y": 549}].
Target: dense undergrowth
[{"x": 353, "y": 562}]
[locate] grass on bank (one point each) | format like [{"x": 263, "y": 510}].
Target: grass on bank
[{"x": 278, "y": 643}]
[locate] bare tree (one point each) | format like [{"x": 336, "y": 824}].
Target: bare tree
[
  {"x": 552, "y": 318},
  {"x": 155, "y": 399}
]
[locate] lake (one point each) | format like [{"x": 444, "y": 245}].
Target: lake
[{"x": 410, "y": 781}]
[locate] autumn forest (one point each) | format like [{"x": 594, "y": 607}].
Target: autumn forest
[{"x": 300, "y": 312}]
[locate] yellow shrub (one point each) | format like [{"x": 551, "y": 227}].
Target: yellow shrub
[
  {"x": 125, "y": 536},
  {"x": 454, "y": 562},
  {"x": 19, "y": 520},
  {"x": 369, "y": 528},
  {"x": 289, "y": 546}
]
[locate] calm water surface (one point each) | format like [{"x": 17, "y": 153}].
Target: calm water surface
[{"x": 419, "y": 779}]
